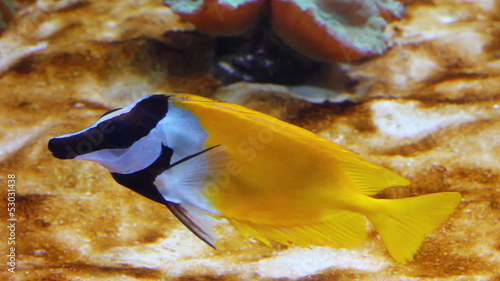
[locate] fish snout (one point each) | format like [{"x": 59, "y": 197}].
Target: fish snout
[
  {"x": 69, "y": 147},
  {"x": 61, "y": 148}
]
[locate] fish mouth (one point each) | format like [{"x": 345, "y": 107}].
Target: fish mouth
[{"x": 61, "y": 149}]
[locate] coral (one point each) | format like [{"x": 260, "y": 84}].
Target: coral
[
  {"x": 334, "y": 30},
  {"x": 326, "y": 30}
]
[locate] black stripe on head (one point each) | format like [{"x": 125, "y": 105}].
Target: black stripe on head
[
  {"x": 142, "y": 181},
  {"x": 118, "y": 132}
]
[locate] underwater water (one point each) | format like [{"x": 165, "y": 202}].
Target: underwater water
[{"x": 428, "y": 109}]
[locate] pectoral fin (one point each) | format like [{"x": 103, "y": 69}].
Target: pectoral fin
[
  {"x": 183, "y": 185},
  {"x": 185, "y": 181},
  {"x": 198, "y": 222}
]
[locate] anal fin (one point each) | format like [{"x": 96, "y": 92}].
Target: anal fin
[{"x": 346, "y": 229}]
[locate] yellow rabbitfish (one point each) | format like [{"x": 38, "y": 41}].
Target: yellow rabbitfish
[{"x": 271, "y": 180}]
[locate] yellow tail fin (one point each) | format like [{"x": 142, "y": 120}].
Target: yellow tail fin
[{"x": 405, "y": 223}]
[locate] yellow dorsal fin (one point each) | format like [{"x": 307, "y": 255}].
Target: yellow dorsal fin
[
  {"x": 243, "y": 112},
  {"x": 370, "y": 179},
  {"x": 345, "y": 230}
]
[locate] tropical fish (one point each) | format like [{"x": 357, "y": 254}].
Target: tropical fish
[{"x": 206, "y": 159}]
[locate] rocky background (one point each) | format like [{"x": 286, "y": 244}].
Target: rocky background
[{"x": 429, "y": 109}]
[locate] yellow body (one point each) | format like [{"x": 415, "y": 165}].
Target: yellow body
[{"x": 284, "y": 183}]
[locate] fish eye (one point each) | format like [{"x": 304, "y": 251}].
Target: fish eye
[
  {"x": 121, "y": 136},
  {"x": 109, "y": 111}
]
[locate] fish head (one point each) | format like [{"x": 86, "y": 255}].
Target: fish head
[{"x": 124, "y": 140}]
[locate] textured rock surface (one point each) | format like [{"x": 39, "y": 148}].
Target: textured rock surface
[{"x": 429, "y": 109}]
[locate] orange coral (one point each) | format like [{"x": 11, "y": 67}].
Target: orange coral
[{"x": 217, "y": 17}]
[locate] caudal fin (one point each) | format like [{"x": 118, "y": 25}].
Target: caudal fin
[{"x": 404, "y": 223}]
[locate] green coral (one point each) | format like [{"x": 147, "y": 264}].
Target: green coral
[{"x": 186, "y": 7}]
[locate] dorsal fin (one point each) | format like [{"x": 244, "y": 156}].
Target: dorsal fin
[{"x": 370, "y": 179}]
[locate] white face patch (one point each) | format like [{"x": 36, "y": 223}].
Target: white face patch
[
  {"x": 129, "y": 160},
  {"x": 182, "y": 132}
]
